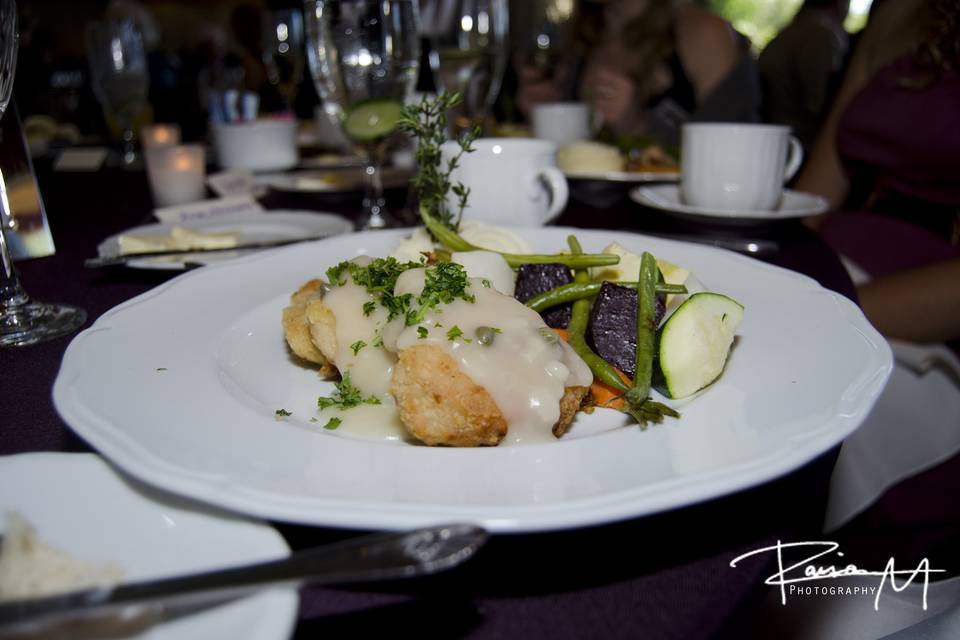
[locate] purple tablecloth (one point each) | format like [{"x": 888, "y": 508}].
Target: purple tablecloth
[{"x": 663, "y": 576}]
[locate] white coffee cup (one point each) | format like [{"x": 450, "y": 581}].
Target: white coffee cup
[
  {"x": 260, "y": 145},
  {"x": 561, "y": 122},
  {"x": 512, "y": 181},
  {"x": 737, "y": 167}
]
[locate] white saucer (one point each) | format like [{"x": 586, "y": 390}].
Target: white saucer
[
  {"x": 666, "y": 197},
  {"x": 254, "y": 228},
  {"x": 84, "y": 507}
]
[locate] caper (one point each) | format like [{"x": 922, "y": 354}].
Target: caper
[
  {"x": 485, "y": 335},
  {"x": 549, "y": 335}
]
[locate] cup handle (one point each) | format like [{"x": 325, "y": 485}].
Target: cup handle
[
  {"x": 556, "y": 184},
  {"x": 794, "y": 159}
]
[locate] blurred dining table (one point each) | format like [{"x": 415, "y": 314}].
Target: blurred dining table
[{"x": 666, "y": 575}]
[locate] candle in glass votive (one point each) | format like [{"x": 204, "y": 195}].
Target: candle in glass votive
[
  {"x": 159, "y": 135},
  {"x": 177, "y": 174}
]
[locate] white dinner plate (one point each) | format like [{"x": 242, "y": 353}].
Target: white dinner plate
[
  {"x": 666, "y": 197},
  {"x": 626, "y": 177},
  {"x": 254, "y": 228},
  {"x": 181, "y": 385},
  {"x": 80, "y": 505},
  {"x": 342, "y": 180}
]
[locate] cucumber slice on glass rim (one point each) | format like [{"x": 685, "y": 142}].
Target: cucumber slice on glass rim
[{"x": 372, "y": 119}]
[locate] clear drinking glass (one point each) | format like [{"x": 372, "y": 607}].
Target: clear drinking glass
[
  {"x": 22, "y": 320},
  {"x": 468, "y": 54},
  {"x": 364, "y": 56},
  {"x": 118, "y": 73},
  {"x": 284, "y": 55}
]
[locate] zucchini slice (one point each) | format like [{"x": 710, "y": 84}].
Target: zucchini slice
[{"x": 695, "y": 342}]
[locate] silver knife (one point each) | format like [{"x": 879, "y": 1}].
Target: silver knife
[
  {"x": 382, "y": 556},
  {"x": 110, "y": 261}
]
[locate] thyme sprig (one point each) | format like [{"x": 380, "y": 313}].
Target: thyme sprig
[{"x": 427, "y": 122}]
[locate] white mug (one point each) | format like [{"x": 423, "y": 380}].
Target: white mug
[
  {"x": 561, "y": 122},
  {"x": 512, "y": 181},
  {"x": 737, "y": 167},
  {"x": 260, "y": 145}
]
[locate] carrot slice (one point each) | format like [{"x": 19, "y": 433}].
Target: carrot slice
[{"x": 603, "y": 394}]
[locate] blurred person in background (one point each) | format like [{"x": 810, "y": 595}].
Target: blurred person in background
[
  {"x": 800, "y": 67},
  {"x": 887, "y": 162},
  {"x": 648, "y": 66}
]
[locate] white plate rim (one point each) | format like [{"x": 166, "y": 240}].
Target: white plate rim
[
  {"x": 277, "y": 614},
  {"x": 666, "y": 198},
  {"x": 311, "y": 223},
  {"x": 677, "y": 492}
]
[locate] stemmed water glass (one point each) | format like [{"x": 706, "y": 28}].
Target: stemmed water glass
[
  {"x": 22, "y": 320},
  {"x": 468, "y": 54},
  {"x": 283, "y": 53},
  {"x": 118, "y": 73},
  {"x": 364, "y": 56}
]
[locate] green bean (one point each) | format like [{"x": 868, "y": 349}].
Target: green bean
[
  {"x": 454, "y": 241},
  {"x": 577, "y": 328},
  {"x": 575, "y": 291},
  {"x": 646, "y": 329}
]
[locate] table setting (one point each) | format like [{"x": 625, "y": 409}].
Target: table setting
[{"x": 177, "y": 441}]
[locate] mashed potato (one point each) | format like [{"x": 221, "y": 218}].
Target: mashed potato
[{"x": 589, "y": 157}]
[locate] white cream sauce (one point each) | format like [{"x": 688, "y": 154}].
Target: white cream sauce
[
  {"x": 371, "y": 367},
  {"x": 524, "y": 372}
]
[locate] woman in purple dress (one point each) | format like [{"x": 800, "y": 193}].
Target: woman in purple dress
[{"x": 889, "y": 159}]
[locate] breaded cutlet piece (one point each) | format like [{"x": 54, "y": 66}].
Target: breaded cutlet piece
[
  {"x": 296, "y": 327},
  {"x": 441, "y": 405}
]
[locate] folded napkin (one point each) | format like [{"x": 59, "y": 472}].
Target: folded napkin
[{"x": 912, "y": 428}]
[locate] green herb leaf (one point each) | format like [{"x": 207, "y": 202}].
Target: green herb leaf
[
  {"x": 345, "y": 396},
  {"x": 356, "y": 346},
  {"x": 282, "y": 413},
  {"x": 333, "y": 423},
  {"x": 454, "y": 333},
  {"x": 422, "y": 333}
]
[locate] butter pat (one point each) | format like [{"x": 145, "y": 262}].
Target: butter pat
[{"x": 179, "y": 239}]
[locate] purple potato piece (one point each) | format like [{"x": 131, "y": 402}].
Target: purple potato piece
[
  {"x": 535, "y": 279},
  {"x": 612, "y": 331}
]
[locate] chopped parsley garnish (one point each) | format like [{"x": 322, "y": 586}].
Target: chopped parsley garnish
[
  {"x": 455, "y": 332},
  {"x": 312, "y": 419},
  {"x": 422, "y": 333},
  {"x": 282, "y": 413},
  {"x": 445, "y": 283},
  {"x": 356, "y": 346},
  {"x": 486, "y": 283},
  {"x": 333, "y": 423},
  {"x": 161, "y": 368},
  {"x": 378, "y": 341},
  {"x": 345, "y": 396}
]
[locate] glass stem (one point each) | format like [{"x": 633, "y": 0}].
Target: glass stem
[
  {"x": 128, "y": 149},
  {"x": 12, "y": 296},
  {"x": 375, "y": 212}
]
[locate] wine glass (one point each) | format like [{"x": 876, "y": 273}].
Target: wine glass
[
  {"x": 118, "y": 73},
  {"x": 364, "y": 56},
  {"x": 22, "y": 321},
  {"x": 468, "y": 54},
  {"x": 283, "y": 53}
]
